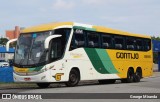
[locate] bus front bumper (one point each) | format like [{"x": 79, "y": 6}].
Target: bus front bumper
[{"x": 41, "y": 77}]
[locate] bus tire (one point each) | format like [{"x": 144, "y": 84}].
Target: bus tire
[
  {"x": 43, "y": 85},
  {"x": 110, "y": 81},
  {"x": 136, "y": 78},
  {"x": 139, "y": 72},
  {"x": 74, "y": 78},
  {"x": 130, "y": 76},
  {"x": 138, "y": 75}
]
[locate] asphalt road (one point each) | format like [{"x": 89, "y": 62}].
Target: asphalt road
[{"x": 147, "y": 85}]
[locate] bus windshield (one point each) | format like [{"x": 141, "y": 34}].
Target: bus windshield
[{"x": 30, "y": 48}]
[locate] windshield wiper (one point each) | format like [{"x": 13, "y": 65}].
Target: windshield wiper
[
  {"x": 43, "y": 56},
  {"x": 21, "y": 62}
]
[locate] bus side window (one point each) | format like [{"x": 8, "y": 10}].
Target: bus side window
[
  {"x": 106, "y": 41},
  {"x": 56, "y": 49},
  {"x": 139, "y": 45},
  {"x": 65, "y": 32},
  {"x": 93, "y": 40},
  {"x": 119, "y": 42},
  {"x": 147, "y": 44},
  {"x": 78, "y": 40},
  {"x": 130, "y": 43}
]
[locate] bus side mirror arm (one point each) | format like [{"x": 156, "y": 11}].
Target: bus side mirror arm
[
  {"x": 48, "y": 39},
  {"x": 7, "y": 45}
]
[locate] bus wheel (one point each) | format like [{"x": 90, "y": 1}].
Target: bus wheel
[
  {"x": 110, "y": 81},
  {"x": 138, "y": 75},
  {"x": 130, "y": 77},
  {"x": 43, "y": 85},
  {"x": 74, "y": 78},
  {"x": 136, "y": 78}
]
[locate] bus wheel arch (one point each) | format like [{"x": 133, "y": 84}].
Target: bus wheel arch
[
  {"x": 74, "y": 77},
  {"x": 130, "y": 76}
]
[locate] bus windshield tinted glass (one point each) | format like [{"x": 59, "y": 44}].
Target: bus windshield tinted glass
[{"x": 30, "y": 48}]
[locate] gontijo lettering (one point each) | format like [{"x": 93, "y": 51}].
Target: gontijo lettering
[{"x": 127, "y": 55}]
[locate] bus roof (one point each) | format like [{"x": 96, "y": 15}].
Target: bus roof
[
  {"x": 51, "y": 26},
  {"x": 45, "y": 27}
]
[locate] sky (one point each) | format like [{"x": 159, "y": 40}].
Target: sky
[{"x": 135, "y": 16}]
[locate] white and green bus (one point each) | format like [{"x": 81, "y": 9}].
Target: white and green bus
[{"x": 71, "y": 52}]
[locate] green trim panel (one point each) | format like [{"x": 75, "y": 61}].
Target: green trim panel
[
  {"x": 84, "y": 28},
  {"x": 35, "y": 69},
  {"x": 101, "y": 60}
]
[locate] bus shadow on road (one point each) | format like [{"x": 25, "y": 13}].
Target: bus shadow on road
[{"x": 33, "y": 86}]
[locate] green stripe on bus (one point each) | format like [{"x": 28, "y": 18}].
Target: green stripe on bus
[
  {"x": 78, "y": 27},
  {"x": 95, "y": 60},
  {"x": 100, "y": 60},
  {"x": 35, "y": 69},
  {"x": 84, "y": 28},
  {"x": 107, "y": 63},
  {"x": 90, "y": 29}
]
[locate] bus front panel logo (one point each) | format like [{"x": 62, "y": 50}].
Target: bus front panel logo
[{"x": 58, "y": 76}]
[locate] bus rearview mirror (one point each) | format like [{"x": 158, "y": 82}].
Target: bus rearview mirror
[
  {"x": 8, "y": 43},
  {"x": 48, "y": 39}
]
